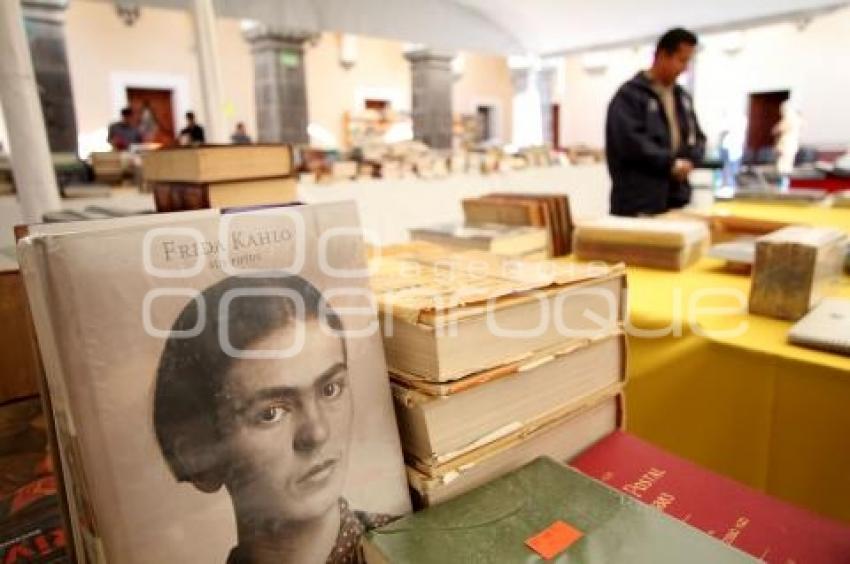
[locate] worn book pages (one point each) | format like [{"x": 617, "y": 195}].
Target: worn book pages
[{"x": 426, "y": 281}]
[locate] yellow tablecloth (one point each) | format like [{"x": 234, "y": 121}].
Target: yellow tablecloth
[
  {"x": 724, "y": 388},
  {"x": 806, "y": 214}
]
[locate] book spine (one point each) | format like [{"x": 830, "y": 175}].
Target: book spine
[
  {"x": 181, "y": 196},
  {"x": 86, "y": 540}
]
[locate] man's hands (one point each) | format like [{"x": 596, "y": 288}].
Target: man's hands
[{"x": 681, "y": 169}]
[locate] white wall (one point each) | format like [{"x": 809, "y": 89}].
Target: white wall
[
  {"x": 486, "y": 81},
  {"x": 589, "y": 83},
  {"x": 4, "y": 137},
  {"x": 811, "y": 63},
  {"x": 380, "y": 71}
]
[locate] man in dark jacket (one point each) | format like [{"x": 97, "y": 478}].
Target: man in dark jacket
[{"x": 652, "y": 137}]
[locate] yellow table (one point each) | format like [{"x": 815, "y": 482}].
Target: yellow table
[
  {"x": 724, "y": 389},
  {"x": 806, "y": 214}
]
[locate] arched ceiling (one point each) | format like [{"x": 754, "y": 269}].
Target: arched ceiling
[{"x": 510, "y": 26}]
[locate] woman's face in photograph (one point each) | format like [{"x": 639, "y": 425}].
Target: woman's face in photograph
[{"x": 290, "y": 426}]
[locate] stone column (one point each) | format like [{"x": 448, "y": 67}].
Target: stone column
[
  {"x": 45, "y": 28},
  {"x": 431, "y": 103},
  {"x": 31, "y": 163},
  {"x": 545, "y": 85},
  {"x": 280, "y": 86},
  {"x": 207, "y": 47}
]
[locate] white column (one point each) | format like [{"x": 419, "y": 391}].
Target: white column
[
  {"x": 31, "y": 163},
  {"x": 207, "y": 44},
  {"x": 527, "y": 117}
]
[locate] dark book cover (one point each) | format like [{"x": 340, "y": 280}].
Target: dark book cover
[
  {"x": 31, "y": 528},
  {"x": 767, "y": 528}
]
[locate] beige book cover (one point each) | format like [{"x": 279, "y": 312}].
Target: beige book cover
[
  {"x": 217, "y": 163},
  {"x": 642, "y": 231},
  {"x": 826, "y": 327},
  {"x": 221, "y": 392}
]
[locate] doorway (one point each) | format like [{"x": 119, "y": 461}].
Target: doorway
[
  {"x": 153, "y": 114},
  {"x": 556, "y": 126},
  {"x": 765, "y": 112},
  {"x": 375, "y": 104},
  {"x": 484, "y": 114}
]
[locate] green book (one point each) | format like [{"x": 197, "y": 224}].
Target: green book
[{"x": 493, "y": 522}]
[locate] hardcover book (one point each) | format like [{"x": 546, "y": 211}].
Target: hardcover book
[
  {"x": 651, "y": 242},
  {"x": 439, "y": 422},
  {"x": 554, "y": 213},
  {"x": 826, "y": 327},
  {"x": 180, "y": 196},
  {"x": 560, "y": 436},
  {"x": 217, "y": 163},
  {"x": 585, "y": 520},
  {"x": 767, "y": 528},
  {"x": 218, "y": 385}
]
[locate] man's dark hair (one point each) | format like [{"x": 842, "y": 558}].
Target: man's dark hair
[
  {"x": 126, "y": 112},
  {"x": 190, "y": 116},
  {"x": 671, "y": 40},
  {"x": 191, "y": 369}
]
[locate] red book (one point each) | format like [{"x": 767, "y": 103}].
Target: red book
[{"x": 764, "y": 527}]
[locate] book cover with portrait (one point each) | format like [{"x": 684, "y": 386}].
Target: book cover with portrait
[{"x": 218, "y": 385}]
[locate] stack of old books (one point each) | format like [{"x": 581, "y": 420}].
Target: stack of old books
[
  {"x": 107, "y": 166},
  {"x": 549, "y": 211},
  {"x": 519, "y": 242},
  {"x": 220, "y": 176},
  {"x": 496, "y": 362},
  {"x": 655, "y": 243}
]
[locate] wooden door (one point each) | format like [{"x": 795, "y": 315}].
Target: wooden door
[
  {"x": 485, "y": 121},
  {"x": 556, "y": 126},
  {"x": 153, "y": 114},
  {"x": 765, "y": 113}
]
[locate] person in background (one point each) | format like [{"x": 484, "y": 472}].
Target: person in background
[
  {"x": 123, "y": 133},
  {"x": 787, "y": 133},
  {"x": 240, "y": 136},
  {"x": 192, "y": 134},
  {"x": 732, "y": 141},
  {"x": 148, "y": 124},
  {"x": 653, "y": 138}
]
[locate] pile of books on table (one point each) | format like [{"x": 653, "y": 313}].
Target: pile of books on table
[
  {"x": 520, "y": 226},
  {"x": 548, "y": 211},
  {"x": 494, "y": 363},
  {"x": 655, "y": 243},
  {"x": 220, "y": 176}
]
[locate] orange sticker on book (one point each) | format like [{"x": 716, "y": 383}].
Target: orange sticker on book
[{"x": 554, "y": 539}]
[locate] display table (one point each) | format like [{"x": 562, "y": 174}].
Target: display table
[{"x": 724, "y": 389}]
